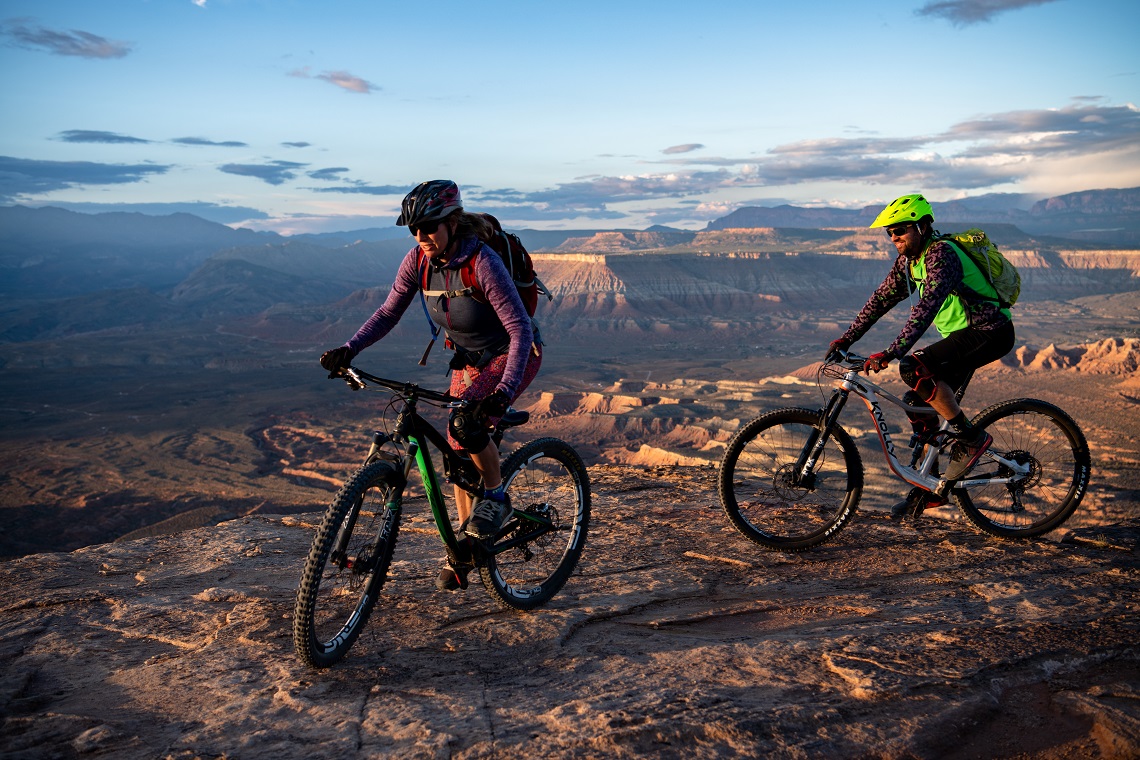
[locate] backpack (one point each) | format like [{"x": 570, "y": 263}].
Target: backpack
[
  {"x": 995, "y": 267},
  {"x": 517, "y": 261}
]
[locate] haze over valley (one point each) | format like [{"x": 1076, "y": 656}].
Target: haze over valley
[{"x": 160, "y": 372}]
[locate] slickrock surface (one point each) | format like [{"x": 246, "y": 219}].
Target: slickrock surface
[{"x": 677, "y": 638}]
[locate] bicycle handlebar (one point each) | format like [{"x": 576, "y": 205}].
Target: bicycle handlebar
[
  {"x": 358, "y": 379},
  {"x": 850, "y": 358}
]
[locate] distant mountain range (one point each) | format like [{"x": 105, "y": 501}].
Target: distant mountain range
[
  {"x": 1111, "y": 217},
  {"x": 52, "y": 253}
]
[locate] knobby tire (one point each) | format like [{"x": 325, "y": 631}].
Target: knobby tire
[
  {"x": 545, "y": 478},
  {"x": 759, "y": 496},
  {"x": 1037, "y": 432},
  {"x": 337, "y": 593}
]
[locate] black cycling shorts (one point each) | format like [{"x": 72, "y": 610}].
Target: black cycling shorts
[{"x": 954, "y": 357}]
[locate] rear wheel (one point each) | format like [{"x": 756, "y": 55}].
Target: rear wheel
[
  {"x": 549, "y": 487},
  {"x": 347, "y": 565},
  {"x": 764, "y": 499},
  {"x": 1045, "y": 441}
]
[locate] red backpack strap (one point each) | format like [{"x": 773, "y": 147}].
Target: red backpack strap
[
  {"x": 421, "y": 268},
  {"x": 467, "y": 276}
]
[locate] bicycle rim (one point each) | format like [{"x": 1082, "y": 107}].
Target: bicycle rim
[
  {"x": 346, "y": 566},
  {"x": 1045, "y": 438},
  {"x": 757, "y": 488},
  {"x": 547, "y": 481}
]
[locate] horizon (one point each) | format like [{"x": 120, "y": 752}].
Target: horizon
[{"x": 304, "y": 120}]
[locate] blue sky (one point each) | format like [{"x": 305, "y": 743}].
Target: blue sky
[{"x": 305, "y": 116}]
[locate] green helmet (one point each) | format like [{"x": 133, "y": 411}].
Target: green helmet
[{"x": 908, "y": 208}]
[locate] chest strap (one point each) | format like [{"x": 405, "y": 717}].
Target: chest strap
[{"x": 449, "y": 293}]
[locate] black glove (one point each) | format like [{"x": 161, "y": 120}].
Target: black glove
[
  {"x": 837, "y": 345},
  {"x": 337, "y": 358},
  {"x": 878, "y": 362},
  {"x": 494, "y": 405}
]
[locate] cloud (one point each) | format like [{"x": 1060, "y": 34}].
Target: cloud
[
  {"x": 341, "y": 79},
  {"x": 204, "y": 141},
  {"x": 591, "y": 197},
  {"x": 979, "y": 152},
  {"x": 966, "y": 12},
  {"x": 298, "y": 144},
  {"x": 199, "y": 3},
  {"x": 331, "y": 173},
  {"x": 275, "y": 172},
  {"x": 74, "y": 42},
  {"x": 686, "y": 148},
  {"x": 400, "y": 190},
  {"x": 97, "y": 136},
  {"x": 21, "y": 177},
  {"x": 993, "y": 150}
]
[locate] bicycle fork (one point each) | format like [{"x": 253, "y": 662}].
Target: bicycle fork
[{"x": 804, "y": 474}]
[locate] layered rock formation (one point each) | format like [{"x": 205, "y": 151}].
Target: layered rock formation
[{"x": 675, "y": 638}]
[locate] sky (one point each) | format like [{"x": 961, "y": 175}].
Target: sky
[{"x": 299, "y": 116}]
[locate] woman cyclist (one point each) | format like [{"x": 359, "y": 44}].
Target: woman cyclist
[
  {"x": 496, "y": 350},
  {"x": 953, "y": 295}
]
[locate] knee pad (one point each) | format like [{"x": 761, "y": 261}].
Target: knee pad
[
  {"x": 915, "y": 374},
  {"x": 469, "y": 429}
]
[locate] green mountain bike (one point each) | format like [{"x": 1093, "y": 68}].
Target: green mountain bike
[
  {"x": 792, "y": 478},
  {"x": 523, "y": 567}
]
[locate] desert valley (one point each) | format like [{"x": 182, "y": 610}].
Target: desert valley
[{"x": 161, "y": 390}]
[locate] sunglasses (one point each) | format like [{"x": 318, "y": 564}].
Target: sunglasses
[
  {"x": 898, "y": 230},
  {"x": 428, "y": 228}
]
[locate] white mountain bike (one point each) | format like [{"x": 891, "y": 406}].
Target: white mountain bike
[{"x": 792, "y": 478}]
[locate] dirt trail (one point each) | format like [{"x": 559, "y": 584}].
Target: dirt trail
[{"x": 677, "y": 638}]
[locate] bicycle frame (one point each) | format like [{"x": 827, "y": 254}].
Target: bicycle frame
[
  {"x": 924, "y": 449},
  {"x": 413, "y": 433}
]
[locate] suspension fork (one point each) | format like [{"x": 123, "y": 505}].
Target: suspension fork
[{"x": 804, "y": 474}]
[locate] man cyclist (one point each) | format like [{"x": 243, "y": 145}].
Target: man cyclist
[{"x": 955, "y": 296}]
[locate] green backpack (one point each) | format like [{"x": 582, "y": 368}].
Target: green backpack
[{"x": 995, "y": 267}]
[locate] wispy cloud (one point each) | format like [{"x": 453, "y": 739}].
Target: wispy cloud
[
  {"x": 74, "y": 42},
  {"x": 274, "y": 172},
  {"x": 341, "y": 79},
  {"x": 966, "y": 12},
  {"x": 332, "y": 173},
  {"x": 210, "y": 143},
  {"x": 25, "y": 176},
  {"x": 686, "y": 148},
  {"x": 298, "y": 144},
  {"x": 199, "y": 3},
  {"x": 362, "y": 189},
  {"x": 980, "y": 153},
  {"x": 97, "y": 136}
]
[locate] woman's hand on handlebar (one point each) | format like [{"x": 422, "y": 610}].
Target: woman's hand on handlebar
[{"x": 336, "y": 359}]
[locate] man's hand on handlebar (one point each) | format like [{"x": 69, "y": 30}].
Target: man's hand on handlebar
[
  {"x": 837, "y": 350},
  {"x": 877, "y": 362}
]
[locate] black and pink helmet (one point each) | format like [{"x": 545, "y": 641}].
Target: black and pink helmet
[{"x": 430, "y": 201}]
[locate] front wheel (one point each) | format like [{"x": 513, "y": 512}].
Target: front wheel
[
  {"x": 765, "y": 498},
  {"x": 548, "y": 486},
  {"x": 347, "y": 564},
  {"x": 1048, "y": 445}
]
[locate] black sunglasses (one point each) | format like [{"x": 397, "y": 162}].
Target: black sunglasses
[
  {"x": 898, "y": 230},
  {"x": 428, "y": 228}
]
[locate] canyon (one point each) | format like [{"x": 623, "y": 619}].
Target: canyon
[{"x": 170, "y": 441}]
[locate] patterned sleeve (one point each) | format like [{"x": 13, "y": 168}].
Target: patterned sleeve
[
  {"x": 943, "y": 274},
  {"x": 892, "y": 291},
  {"x": 496, "y": 283},
  {"x": 403, "y": 291}
]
